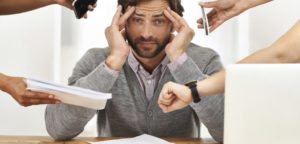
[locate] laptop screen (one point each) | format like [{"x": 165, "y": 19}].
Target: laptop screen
[{"x": 262, "y": 104}]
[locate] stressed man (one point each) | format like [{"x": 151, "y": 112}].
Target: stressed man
[{"x": 144, "y": 53}]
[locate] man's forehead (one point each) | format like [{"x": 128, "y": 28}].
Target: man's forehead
[{"x": 151, "y": 7}]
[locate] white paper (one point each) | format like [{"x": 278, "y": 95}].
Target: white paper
[
  {"x": 142, "y": 139},
  {"x": 70, "y": 94}
]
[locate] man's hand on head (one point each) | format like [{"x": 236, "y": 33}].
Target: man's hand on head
[
  {"x": 178, "y": 43},
  {"x": 115, "y": 35}
]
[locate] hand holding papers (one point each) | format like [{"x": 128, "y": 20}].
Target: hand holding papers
[{"x": 71, "y": 95}]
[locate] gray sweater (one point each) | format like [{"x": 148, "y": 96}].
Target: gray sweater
[{"x": 129, "y": 113}]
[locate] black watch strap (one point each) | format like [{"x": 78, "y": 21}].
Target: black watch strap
[{"x": 193, "y": 87}]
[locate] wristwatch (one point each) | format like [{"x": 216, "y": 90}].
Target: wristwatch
[{"x": 193, "y": 87}]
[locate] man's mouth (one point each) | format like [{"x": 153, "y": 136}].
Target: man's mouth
[{"x": 147, "y": 43}]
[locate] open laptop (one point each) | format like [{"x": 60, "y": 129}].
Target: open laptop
[{"x": 262, "y": 104}]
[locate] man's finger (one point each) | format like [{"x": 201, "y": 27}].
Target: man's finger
[
  {"x": 124, "y": 17},
  {"x": 172, "y": 19},
  {"x": 164, "y": 108},
  {"x": 166, "y": 101},
  {"x": 177, "y": 17},
  {"x": 117, "y": 15}
]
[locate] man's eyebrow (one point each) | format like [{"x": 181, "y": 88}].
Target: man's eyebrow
[
  {"x": 138, "y": 14},
  {"x": 158, "y": 15}
]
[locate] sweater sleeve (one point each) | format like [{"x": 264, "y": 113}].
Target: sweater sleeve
[
  {"x": 65, "y": 121},
  {"x": 210, "y": 110}
]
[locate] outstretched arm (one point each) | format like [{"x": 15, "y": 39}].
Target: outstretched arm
[
  {"x": 285, "y": 50},
  {"x": 19, "y": 6}
]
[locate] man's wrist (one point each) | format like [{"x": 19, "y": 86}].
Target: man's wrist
[
  {"x": 174, "y": 55},
  {"x": 190, "y": 95},
  {"x": 115, "y": 62}
]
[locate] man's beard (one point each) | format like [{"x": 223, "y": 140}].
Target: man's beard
[{"x": 159, "y": 48}]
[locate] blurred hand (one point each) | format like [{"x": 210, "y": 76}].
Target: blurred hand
[
  {"x": 222, "y": 10},
  {"x": 179, "y": 43},
  {"x": 16, "y": 87},
  {"x": 68, "y": 4},
  {"x": 115, "y": 35},
  {"x": 174, "y": 96}
]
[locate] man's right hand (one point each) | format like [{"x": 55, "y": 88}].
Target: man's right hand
[
  {"x": 16, "y": 87},
  {"x": 115, "y": 35}
]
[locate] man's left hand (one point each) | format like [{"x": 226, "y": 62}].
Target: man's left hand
[
  {"x": 174, "y": 96},
  {"x": 185, "y": 34}
]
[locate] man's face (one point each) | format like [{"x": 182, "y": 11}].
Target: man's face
[{"x": 148, "y": 29}]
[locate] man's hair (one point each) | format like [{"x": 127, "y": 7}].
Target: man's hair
[{"x": 175, "y": 5}]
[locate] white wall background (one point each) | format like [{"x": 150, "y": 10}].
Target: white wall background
[
  {"x": 46, "y": 44},
  {"x": 29, "y": 46}
]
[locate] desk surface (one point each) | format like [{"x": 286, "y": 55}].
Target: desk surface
[{"x": 84, "y": 140}]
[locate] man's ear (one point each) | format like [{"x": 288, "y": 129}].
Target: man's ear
[
  {"x": 172, "y": 29},
  {"x": 124, "y": 32}
]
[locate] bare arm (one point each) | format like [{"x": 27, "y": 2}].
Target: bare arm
[
  {"x": 18, "y": 6},
  {"x": 285, "y": 50}
]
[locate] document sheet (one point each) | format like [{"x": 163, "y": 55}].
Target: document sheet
[
  {"x": 142, "y": 139},
  {"x": 70, "y": 94}
]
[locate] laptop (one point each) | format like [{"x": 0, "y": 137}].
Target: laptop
[{"x": 262, "y": 104}]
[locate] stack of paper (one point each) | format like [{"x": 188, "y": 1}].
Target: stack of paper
[
  {"x": 70, "y": 95},
  {"x": 142, "y": 139}
]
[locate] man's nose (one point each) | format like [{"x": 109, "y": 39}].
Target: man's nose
[{"x": 147, "y": 31}]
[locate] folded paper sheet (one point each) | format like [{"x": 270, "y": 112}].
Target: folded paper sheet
[
  {"x": 142, "y": 139},
  {"x": 70, "y": 94}
]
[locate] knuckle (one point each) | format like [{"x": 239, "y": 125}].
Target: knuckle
[
  {"x": 169, "y": 83},
  {"x": 191, "y": 32},
  {"x": 22, "y": 102},
  {"x": 21, "y": 93},
  {"x": 107, "y": 30}
]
